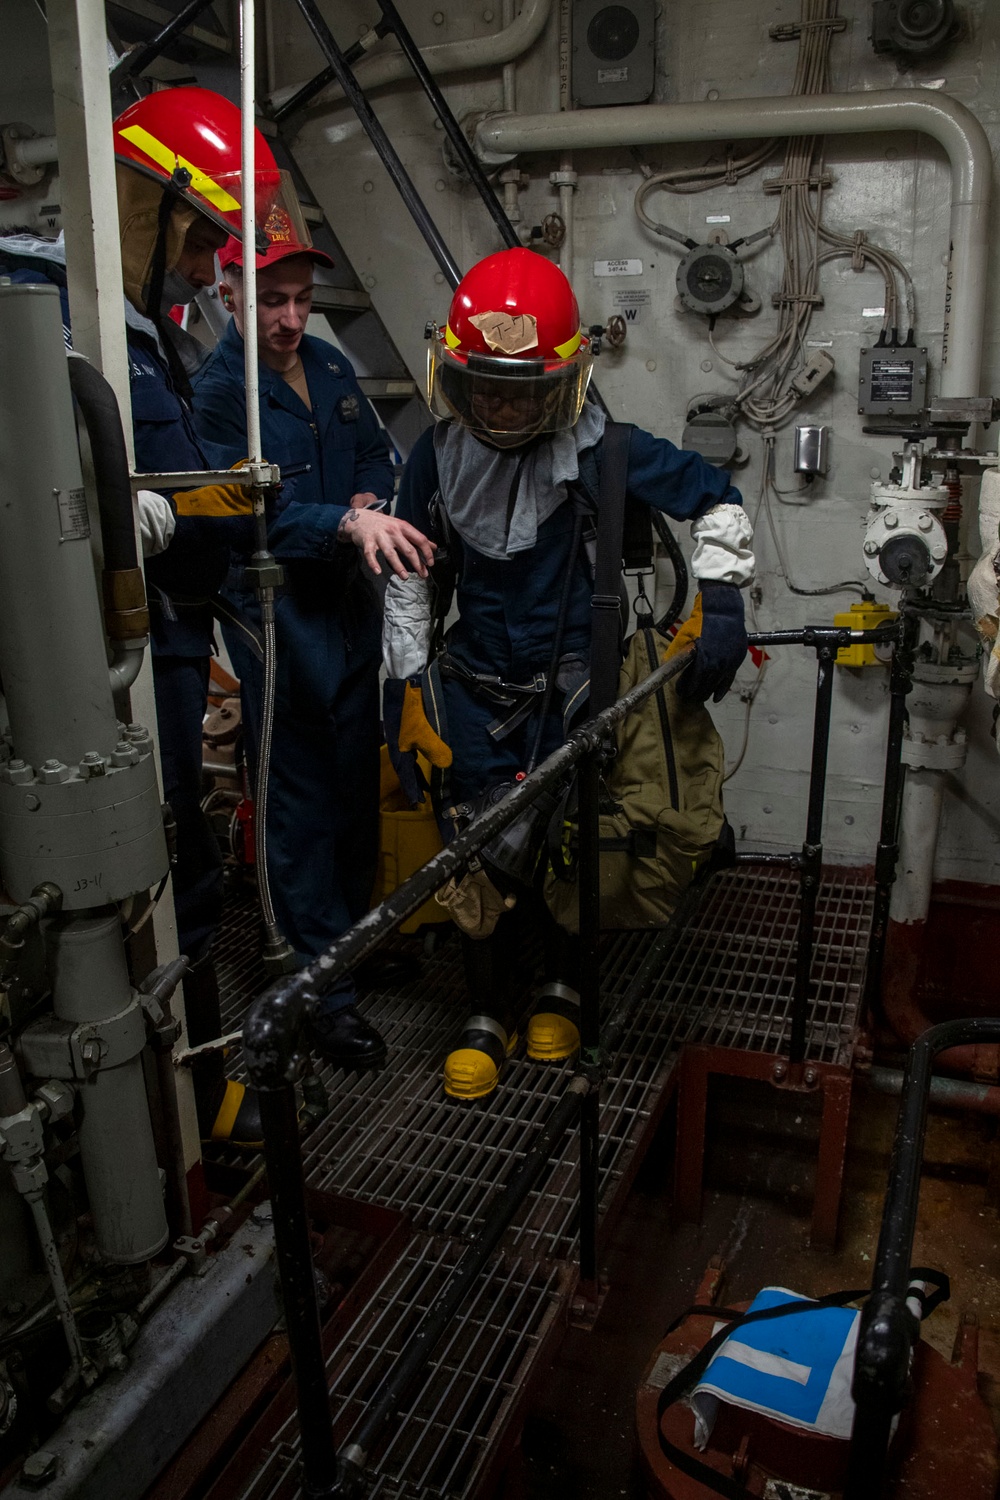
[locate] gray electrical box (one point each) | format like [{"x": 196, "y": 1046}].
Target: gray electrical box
[
  {"x": 892, "y": 380},
  {"x": 613, "y": 53}
]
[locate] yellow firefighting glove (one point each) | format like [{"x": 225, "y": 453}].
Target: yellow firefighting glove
[
  {"x": 688, "y": 633},
  {"x": 215, "y": 499}
]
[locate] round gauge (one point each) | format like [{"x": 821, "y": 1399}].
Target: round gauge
[{"x": 709, "y": 279}]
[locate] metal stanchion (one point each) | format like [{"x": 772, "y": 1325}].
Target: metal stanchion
[
  {"x": 811, "y": 866},
  {"x": 589, "y": 895}
]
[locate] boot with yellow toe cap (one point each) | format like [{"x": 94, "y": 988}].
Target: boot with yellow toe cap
[
  {"x": 554, "y": 1028},
  {"x": 472, "y": 1069}
]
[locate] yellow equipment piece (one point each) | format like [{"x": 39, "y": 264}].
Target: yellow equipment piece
[
  {"x": 864, "y": 616},
  {"x": 471, "y": 1074},
  {"x": 407, "y": 840},
  {"x": 551, "y": 1037}
]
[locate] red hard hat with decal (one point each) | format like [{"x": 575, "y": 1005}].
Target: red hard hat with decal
[
  {"x": 189, "y": 139},
  {"x": 512, "y": 361},
  {"x": 287, "y": 235}
]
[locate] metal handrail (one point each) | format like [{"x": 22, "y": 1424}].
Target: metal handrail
[
  {"x": 274, "y": 1052},
  {"x": 888, "y": 1329}
]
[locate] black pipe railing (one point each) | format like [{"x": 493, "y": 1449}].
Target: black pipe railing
[
  {"x": 140, "y": 57},
  {"x": 887, "y": 852},
  {"x": 314, "y": 86},
  {"x": 376, "y": 134},
  {"x": 888, "y": 1329},
  {"x": 274, "y": 1050}
]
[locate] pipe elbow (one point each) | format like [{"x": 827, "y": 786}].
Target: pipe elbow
[{"x": 126, "y": 663}]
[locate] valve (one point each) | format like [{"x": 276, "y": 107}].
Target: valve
[{"x": 905, "y": 542}]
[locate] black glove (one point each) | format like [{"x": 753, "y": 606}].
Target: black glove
[{"x": 720, "y": 647}]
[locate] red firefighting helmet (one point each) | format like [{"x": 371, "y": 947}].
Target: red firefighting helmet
[
  {"x": 512, "y": 359},
  {"x": 189, "y": 139},
  {"x": 286, "y": 231}
]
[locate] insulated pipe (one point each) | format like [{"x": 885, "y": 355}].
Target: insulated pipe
[
  {"x": 50, "y": 623},
  {"x": 452, "y": 57},
  {"x": 102, "y": 419},
  {"x": 499, "y": 138},
  {"x": 91, "y": 991}
]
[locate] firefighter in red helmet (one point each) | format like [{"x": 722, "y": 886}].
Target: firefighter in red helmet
[{"x": 497, "y": 484}]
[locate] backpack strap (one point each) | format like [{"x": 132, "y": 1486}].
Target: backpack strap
[{"x": 605, "y": 604}]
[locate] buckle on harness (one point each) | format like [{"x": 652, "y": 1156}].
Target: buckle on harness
[{"x": 605, "y": 601}]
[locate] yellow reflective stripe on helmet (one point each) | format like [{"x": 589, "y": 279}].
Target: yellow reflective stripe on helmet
[
  {"x": 570, "y": 347},
  {"x": 169, "y": 160},
  {"x": 451, "y": 339}
]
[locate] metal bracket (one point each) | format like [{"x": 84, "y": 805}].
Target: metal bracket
[
  {"x": 193, "y": 479},
  {"x": 51, "y": 1048}
]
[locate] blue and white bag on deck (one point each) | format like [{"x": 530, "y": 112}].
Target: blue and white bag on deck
[{"x": 796, "y": 1368}]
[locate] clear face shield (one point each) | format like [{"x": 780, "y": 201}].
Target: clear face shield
[{"x": 507, "y": 401}]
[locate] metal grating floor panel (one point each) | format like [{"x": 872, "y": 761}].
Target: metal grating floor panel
[
  {"x": 392, "y": 1138},
  {"x": 443, "y": 1441}
]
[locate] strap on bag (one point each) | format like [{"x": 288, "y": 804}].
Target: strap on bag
[
  {"x": 605, "y": 604},
  {"x": 687, "y": 1378}
]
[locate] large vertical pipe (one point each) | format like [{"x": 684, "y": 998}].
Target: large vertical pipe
[
  {"x": 52, "y": 655},
  {"x": 90, "y": 986}
]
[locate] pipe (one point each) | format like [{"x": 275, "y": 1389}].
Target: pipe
[
  {"x": 887, "y": 852},
  {"x": 102, "y": 419},
  {"x": 811, "y": 863},
  {"x": 91, "y": 992},
  {"x": 29, "y": 1176},
  {"x": 387, "y": 153},
  {"x": 126, "y": 663},
  {"x": 451, "y": 57},
  {"x": 126, "y": 616},
  {"x": 248, "y": 171},
  {"x": 589, "y": 923},
  {"x": 54, "y": 636},
  {"x": 951, "y": 1093},
  {"x": 887, "y": 1331},
  {"x": 944, "y": 119},
  {"x": 140, "y": 57},
  {"x": 452, "y": 129},
  {"x": 293, "y": 1249},
  {"x": 33, "y": 151}
]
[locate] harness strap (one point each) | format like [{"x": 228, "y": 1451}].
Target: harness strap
[{"x": 605, "y": 637}]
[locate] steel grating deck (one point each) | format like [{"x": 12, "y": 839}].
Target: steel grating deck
[{"x": 391, "y": 1138}]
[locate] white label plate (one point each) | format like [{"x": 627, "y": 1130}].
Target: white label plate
[
  {"x": 617, "y": 267},
  {"x": 74, "y": 522}
]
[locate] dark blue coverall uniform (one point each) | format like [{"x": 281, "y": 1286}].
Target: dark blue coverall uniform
[
  {"x": 507, "y": 609},
  {"x": 323, "y": 790},
  {"x": 179, "y": 583}
]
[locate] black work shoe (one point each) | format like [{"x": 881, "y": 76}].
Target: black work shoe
[
  {"x": 231, "y": 1115},
  {"x": 346, "y": 1039}
]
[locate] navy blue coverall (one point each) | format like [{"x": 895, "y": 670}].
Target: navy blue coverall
[
  {"x": 507, "y": 608},
  {"x": 179, "y": 583},
  {"x": 322, "y": 827}
]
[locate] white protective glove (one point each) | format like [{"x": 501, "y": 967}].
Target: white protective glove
[
  {"x": 407, "y": 626},
  {"x": 157, "y": 522},
  {"x": 723, "y": 552}
]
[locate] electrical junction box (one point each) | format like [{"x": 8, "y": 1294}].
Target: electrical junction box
[
  {"x": 612, "y": 60},
  {"x": 892, "y": 380},
  {"x": 864, "y": 616}
]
